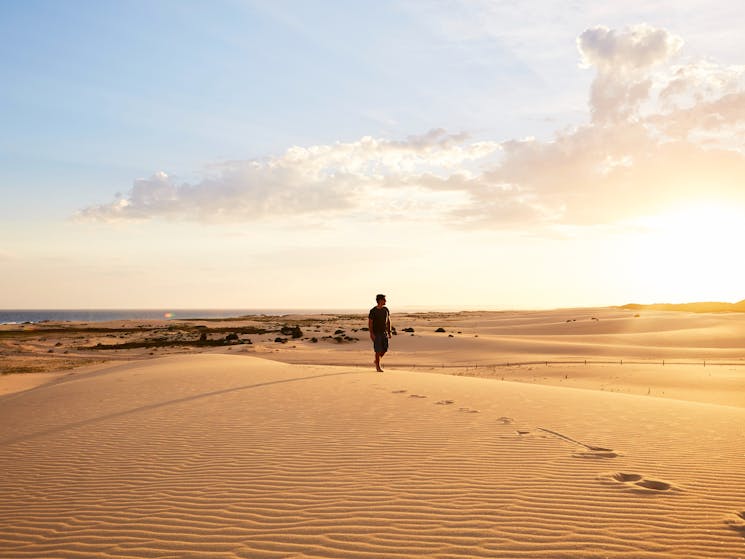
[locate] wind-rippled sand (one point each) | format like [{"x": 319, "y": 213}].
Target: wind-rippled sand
[{"x": 233, "y": 456}]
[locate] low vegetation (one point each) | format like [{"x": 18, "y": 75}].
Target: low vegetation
[
  {"x": 293, "y": 331},
  {"x": 165, "y": 342}
]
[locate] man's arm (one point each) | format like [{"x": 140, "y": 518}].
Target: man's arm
[
  {"x": 369, "y": 327},
  {"x": 388, "y": 324}
]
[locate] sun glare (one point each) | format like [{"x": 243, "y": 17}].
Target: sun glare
[{"x": 691, "y": 254}]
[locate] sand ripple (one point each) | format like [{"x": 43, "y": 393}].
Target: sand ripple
[{"x": 231, "y": 457}]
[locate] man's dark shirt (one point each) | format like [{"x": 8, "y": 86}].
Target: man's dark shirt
[{"x": 379, "y": 317}]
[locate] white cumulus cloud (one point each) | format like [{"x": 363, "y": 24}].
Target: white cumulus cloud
[
  {"x": 322, "y": 179},
  {"x": 636, "y": 48},
  {"x": 661, "y": 128},
  {"x": 623, "y": 59}
]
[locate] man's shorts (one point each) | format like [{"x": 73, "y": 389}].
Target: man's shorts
[{"x": 380, "y": 343}]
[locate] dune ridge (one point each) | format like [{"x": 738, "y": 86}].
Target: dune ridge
[
  {"x": 234, "y": 456},
  {"x": 697, "y": 307}
]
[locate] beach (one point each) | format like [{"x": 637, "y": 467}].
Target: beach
[{"x": 567, "y": 433}]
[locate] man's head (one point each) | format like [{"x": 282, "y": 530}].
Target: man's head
[{"x": 380, "y": 298}]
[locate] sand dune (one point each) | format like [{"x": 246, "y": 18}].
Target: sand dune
[
  {"x": 473, "y": 343},
  {"x": 499, "y": 337},
  {"x": 234, "y": 456}
]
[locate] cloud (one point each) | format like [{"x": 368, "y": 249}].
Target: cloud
[
  {"x": 701, "y": 81},
  {"x": 636, "y": 48},
  {"x": 623, "y": 60},
  {"x": 661, "y": 129},
  {"x": 659, "y": 133},
  {"x": 316, "y": 180}
]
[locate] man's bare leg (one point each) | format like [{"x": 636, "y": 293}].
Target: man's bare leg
[{"x": 377, "y": 362}]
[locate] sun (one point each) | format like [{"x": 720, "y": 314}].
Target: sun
[{"x": 691, "y": 253}]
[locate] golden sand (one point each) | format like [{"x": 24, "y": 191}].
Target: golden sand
[{"x": 231, "y": 455}]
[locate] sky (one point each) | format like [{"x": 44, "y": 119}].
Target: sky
[{"x": 452, "y": 154}]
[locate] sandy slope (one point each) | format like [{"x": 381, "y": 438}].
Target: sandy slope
[
  {"x": 498, "y": 337},
  {"x": 19, "y": 383},
  {"x": 233, "y": 456},
  {"x": 704, "y": 354}
]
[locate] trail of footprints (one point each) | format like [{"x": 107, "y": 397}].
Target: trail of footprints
[
  {"x": 636, "y": 482},
  {"x": 582, "y": 450}
]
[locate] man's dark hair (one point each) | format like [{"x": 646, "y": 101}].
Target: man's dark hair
[{"x": 379, "y": 296}]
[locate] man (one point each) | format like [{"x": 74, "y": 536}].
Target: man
[{"x": 379, "y": 324}]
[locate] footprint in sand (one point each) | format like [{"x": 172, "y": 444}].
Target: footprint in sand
[
  {"x": 654, "y": 484},
  {"x": 416, "y": 396},
  {"x": 737, "y": 522},
  {"x": 399, "y": 392},
  {"x": 445, "y": 402},
  {"x": 637, "y": 480},
  {"x": 506, "y": 420},
  {"x": 468, "y": 410},
  {"x": 626, "y": 478}
]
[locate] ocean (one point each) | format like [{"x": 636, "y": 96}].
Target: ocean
[{"x": 104, "y": 315}]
